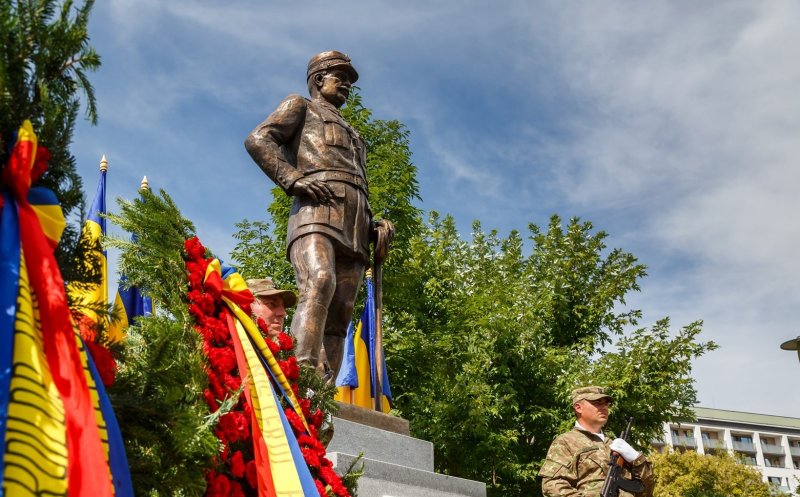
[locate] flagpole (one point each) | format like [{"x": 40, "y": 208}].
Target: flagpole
[
  {"x": 385, "y": 235},
  {"x": 378, "y": 279}
]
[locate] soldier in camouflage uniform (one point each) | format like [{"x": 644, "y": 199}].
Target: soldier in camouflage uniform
[{"x": 577, "y": 462}]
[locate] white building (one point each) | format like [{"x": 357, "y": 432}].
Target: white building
[{"x": 769, "y": 443}]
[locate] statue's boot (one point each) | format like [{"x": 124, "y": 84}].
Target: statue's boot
[{"x": 307, "y": 327}]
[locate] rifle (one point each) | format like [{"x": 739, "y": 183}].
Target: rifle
[{"x": 614, "y": 480}]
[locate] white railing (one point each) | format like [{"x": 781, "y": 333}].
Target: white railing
[
  {"x": 744, "y": 446},
  {"x": 772, "y": 449},
  {"x": 681, "y": 441},
  {"x": 713, "y": 444}
]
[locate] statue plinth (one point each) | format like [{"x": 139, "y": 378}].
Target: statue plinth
[
  {"x": 372, "y": 418},
  {"x": 395, "y": 464}
]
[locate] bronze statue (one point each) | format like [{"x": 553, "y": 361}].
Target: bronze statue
[{"x": 314, "y": 155}]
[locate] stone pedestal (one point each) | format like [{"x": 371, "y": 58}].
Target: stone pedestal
[{"x": 395, "y": 464}]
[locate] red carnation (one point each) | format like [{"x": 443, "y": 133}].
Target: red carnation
[
  {"x": 210, "y": 401},
  {"x": 305, "y": 406},
  {"x": 222, "y": 359},
  {"x": 228, "y": 427},
  {"x": 311, "y": 458},
  {"x": 294, "y": 420},
  {"x": 285, "y": 341},
  {"x": 236, "y": 490},
  {"x": 237, "y": 464},
  {"x": 332, "y": 479},
  {"x": 251, "y": 474},
  {"x": 219, "y": 486},
  {"x": 194, "y": 249},
  {"x": 320, "y": 488},
  {"x": 317, "y": 418}
]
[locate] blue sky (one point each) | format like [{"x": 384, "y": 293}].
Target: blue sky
[{"x": 673, "y": 126}]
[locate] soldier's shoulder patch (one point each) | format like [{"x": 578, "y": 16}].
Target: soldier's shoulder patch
[{"x": 551, "y": 468}]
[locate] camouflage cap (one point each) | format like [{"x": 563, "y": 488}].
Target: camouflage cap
[
  {"x": 589, "y": 393},
  {"x": 330, "y": 59},
  {"x": 265, "y": 287}
]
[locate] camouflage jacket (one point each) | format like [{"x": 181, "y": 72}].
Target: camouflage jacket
[{"x": 577, "y": 464}]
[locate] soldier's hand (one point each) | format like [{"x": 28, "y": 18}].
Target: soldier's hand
[
  {"x": 319, "y": 191},
  {"x": 624, "y": 449}
]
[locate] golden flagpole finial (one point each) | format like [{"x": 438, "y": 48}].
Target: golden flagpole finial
[
  {"x": 103, "y": 163},
  {"x": 145, "y": 185},
  {"x": 369, "y": 273}
]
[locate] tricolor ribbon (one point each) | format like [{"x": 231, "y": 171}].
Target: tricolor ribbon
[
  {"x": 67, "y": 456},
  {"x": 230, "y": 284},
  {"x": 282, "y": 471}
]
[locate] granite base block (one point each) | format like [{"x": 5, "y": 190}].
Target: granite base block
[
  {"x": 381, "y": 479},
  {"x": 381, "y": 445},
  {"x": 395, "y": 465}
]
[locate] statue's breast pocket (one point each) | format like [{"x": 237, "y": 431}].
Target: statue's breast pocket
[{"x": 336, "y": 134}]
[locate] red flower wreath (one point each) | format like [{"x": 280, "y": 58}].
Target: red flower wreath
[{"x": 236, "y": 470}]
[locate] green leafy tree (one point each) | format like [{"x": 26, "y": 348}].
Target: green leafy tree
[
  {"x": 689, "y": 474},
  {"x": 486, "y": 337},
  {"x": 44, "y": 60},
  {"x": 484, "y": 359}
]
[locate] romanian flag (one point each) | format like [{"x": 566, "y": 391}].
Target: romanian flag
[
  {"x": 282, "y": 469},
  {"x": 357, "y": 379},
  {"x": 93, "y": 230},
  {"x": 56, "y": 434}
]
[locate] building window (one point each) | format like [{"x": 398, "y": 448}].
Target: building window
[{"x": 749, "y": 460}]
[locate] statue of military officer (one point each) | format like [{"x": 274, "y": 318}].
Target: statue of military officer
[{"x": 314, "y": 155}]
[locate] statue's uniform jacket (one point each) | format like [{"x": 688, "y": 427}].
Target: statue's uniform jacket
[
  {"x": 309, "y": 138},
  {"x": 577, "y": 464}
]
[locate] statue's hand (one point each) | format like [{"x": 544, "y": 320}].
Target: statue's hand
[
  {"x": 383, "y": 235},
  {"x": 386, "y": 226},
  {"x": 317, "y": 190}
]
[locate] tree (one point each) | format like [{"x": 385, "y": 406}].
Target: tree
[
  {"x": 689, "y": 474},
  {"x": 44, "y": 63},
  {"x": 484, "y": 359},
  {"x": 485, "y": 337}
]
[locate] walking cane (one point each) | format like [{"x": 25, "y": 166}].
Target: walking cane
[{"x": 385, "y": 235}]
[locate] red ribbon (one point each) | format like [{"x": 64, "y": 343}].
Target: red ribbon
[{"x": 87, "y": 472}]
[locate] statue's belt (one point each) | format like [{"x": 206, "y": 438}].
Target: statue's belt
[{"x": 342, "y": 176}]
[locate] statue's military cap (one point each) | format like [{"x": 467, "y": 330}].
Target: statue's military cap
[{"x": 331, "y": 59}]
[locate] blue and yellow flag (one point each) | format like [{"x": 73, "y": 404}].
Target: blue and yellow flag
[
  {"x": 357, "y": 379},
  {"x": 93, "y": 231},
  {"x": 129, "y": 304}
]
